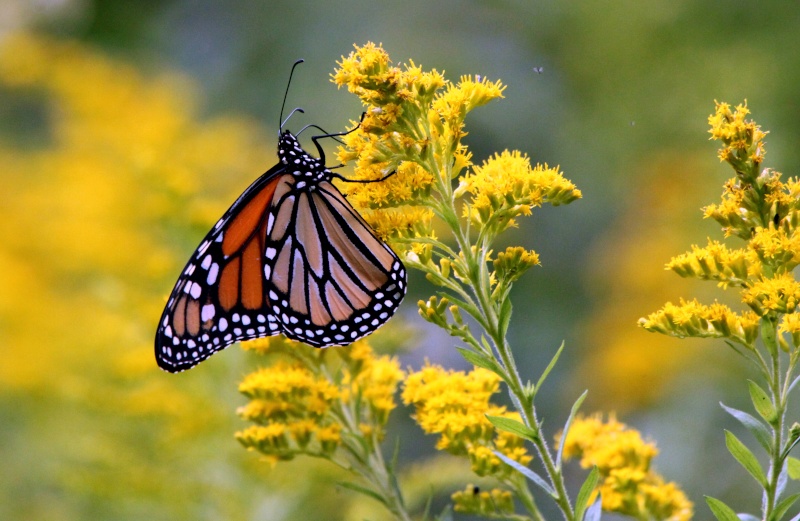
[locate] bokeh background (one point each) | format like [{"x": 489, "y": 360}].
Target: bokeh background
[{"x": 127, "y": 128}]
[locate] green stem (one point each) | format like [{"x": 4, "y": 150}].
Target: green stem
[
  {"x": 779, "y": 399},
  {"x": 516, "y": 387}
]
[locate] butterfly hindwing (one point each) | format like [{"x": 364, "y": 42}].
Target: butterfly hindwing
[
  {"x": 331, "y": 280},
  {"x": 220, "y": 297}
]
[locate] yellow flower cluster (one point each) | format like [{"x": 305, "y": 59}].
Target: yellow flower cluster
[
  {"x": 299, "y": 407},
  {"x": 111, "y": 156},
  {"x": 509, "y": 266},
  {"x": 495, "y": 503},
  {"x": 764, "y": 211},
  {"x": 629, "y": 486},
  {"x": 454, "y": 405},
  {"x": 717, "y": 262},
  {"x": 412, "y": 129},
  {"x": 778, "y": 249},
  {"x": 743, "y": 139},
  {"x": 505, "y": 186},
  {"x": 693, "y": 319},
  {"x": 779, "y": 295},
  {"x": 292, "y": 409}
]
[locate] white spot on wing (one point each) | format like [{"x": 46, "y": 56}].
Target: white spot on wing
[
  {"x": 207, "y": 313},
  {"x": 212, "y": 274}
]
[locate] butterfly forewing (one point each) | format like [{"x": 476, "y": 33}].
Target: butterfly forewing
[{"x": 220, "y": 297}]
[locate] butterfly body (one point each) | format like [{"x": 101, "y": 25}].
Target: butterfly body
[{"x": 290, "y": 256}]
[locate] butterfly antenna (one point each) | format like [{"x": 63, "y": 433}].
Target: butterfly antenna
[
  {"x": 298, "y": 109},
  {"x": 286, "y": 95}
]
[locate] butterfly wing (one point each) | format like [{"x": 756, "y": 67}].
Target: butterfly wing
[
  {"x": 220, "y": 297},
  {"x": 331, "y": 281}
]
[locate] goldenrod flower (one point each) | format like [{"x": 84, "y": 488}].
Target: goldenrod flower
[
  {"x": 629, "y": 486},
  {"x": 511, "y": 264},
  {"x": 693, "y": 319},
  {"x": 743, "y": 139},
  {"x": 717, "y": 262},
  {"x": 454, "y": 405},
  {"x": 307, "y": 402},
  {"x": 777, "y": 248},
  {"x": 506, "y": 186},
  {"x": 780, "y": 295},
  {"x": 492, "y": 503}
]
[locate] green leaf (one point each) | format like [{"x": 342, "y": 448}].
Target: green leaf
[
  {"x": 756, "y": 428},
  {"x": 549, "y": 366},
  {"x": 363, "y": 490},
  {"x": 528, "y": 473},
  {"x": 585, "y": 492},
  {"x": 794, "y": 468},
  {"x": 572, "y": 413},
  {"x": 762, "y": 403},
  {"x": 514, "y": 427},
  {"x": 504, "y": 317},
  {"x": 784, "y": 505},
  {"x": 481, "y": 360},
  {"x": 720, "y": 510},
  {"x": 745, "y": 458}
]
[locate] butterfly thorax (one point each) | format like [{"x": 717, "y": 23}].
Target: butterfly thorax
[{"x": 301, "y": 163}]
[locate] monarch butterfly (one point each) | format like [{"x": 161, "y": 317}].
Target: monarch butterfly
[{"x": 290, "y": 256}]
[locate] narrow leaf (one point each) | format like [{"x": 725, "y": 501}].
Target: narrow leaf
[
  {"x": 513, "y": 426},
  {"x": 785, "y": 504},
  {"x": 504, "y": 316},
  {"x": 745, "y": 458},
  {"x": 586, "y": 492},
  {"x": 720, "y": 510},
  {"x": 528, "y": 473},
  {"x": 363, "y": 490},
  {"x": 593, "y": 512},
  {"x": 794, "y": 468},
  {"x": 762, "y": 403},
  {"x": 756, "y": 428},
  {"x": 481, "y": 360},
  {"x": 549, "y": 367},
  {"x": 572, "y": 413}
]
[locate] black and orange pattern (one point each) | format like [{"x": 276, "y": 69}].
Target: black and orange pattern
[{"x": 290, "y": 256}]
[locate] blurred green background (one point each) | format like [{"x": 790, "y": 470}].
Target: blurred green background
[{"x": 127, "y": 128}]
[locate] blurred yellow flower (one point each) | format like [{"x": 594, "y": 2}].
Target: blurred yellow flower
[
  {"x": 90, "y": 236},
  {"x": 629, "y": 486},
  {"x": 495, "y": 503},
  {"x": 316, "y": 395},
  {"x": 454, "y": 405}
]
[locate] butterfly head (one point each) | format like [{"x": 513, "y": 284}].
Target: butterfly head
[{"x": 298, "y": 160}]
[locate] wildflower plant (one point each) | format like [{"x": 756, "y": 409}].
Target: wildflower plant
[
  {"x": 762, "y": 212},
  {"x": 324, "y": 403},
  {"x": 412, "y": 129},
  {"x": 319, "y": 402},
  {"x": 628, "y": 485}
]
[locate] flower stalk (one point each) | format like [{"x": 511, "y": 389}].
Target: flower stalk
[{"x": 762, "y": 210}]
